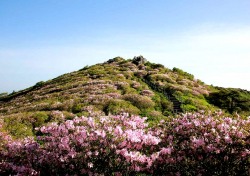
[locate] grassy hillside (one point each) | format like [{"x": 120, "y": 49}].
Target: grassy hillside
[{"x": 135, "y": 86}]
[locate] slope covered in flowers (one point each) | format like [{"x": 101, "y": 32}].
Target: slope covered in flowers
[
  {"x": 190, "y": 144},
  {"x": 113, "y": 87}
]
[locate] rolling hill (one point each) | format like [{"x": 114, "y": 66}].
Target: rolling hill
[{"x": 135, "y": 86}]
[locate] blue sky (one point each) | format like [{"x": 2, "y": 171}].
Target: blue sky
[{"x": 42, "y": 39}]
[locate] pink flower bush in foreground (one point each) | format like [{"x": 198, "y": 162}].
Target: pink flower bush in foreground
[
  {"x": 196, "y": 144},
  {"x": 192, "y": 144}
]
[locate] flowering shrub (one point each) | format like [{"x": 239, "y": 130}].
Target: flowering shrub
[
  {"x": 192, "y": 144},
  {"x": 197, "y": 144},
  {"x": 118, "y": 144}
]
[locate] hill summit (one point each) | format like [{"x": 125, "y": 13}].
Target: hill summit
[{"x": 134, "y": 86}]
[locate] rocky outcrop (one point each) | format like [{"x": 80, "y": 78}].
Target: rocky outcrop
[{"x": 139, "y": 60}]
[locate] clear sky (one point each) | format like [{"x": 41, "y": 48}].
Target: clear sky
[{"x": 42, "y": 39}]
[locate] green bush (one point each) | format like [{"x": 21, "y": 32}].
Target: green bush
[
  {"x": 183, "y": 73},
  {"x": 4, "y": 94},
  {"x": 161, "y": 77},
  {"x": 161, "y": 103},
  {"x": 17, "y": 128},
  {"x": 68, "y": 115},
  {"x": 116, "y": 59},
  {"x": 139, "y": 101},
  {"x": 118, "y": 106},
  {"x": 126, "y": 89},
  {"x": 39, "y": 84},
  {"x": 188, "y": 108},
  {"x": 166, "y": 105},
  {"x": 77, "y": 108},
  {"x": 154, "y": 115},
  {"x": 167, "y": 113},
  {"x": 39, "y": 118},
  {"x": 96, "y": 70},
  {"x": 232, "y": 100},
  {"x": 153, "y": 65}
]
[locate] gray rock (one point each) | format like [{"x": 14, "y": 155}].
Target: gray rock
[{"x": 139, "y": 60}]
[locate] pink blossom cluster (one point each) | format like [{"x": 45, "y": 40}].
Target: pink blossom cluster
[
  {"x": 200, "y": 144},
  {"x": 191, "y": 144}
]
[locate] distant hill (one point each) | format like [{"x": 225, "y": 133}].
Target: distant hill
[{"x": 135, "y": 86}]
